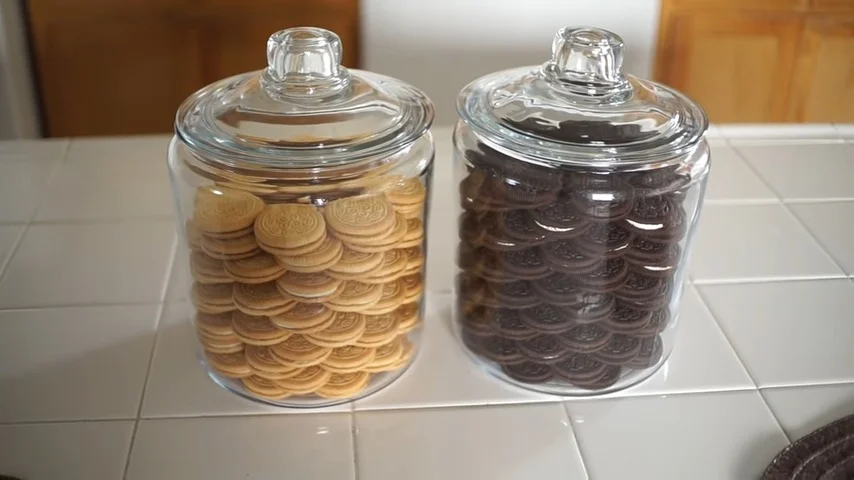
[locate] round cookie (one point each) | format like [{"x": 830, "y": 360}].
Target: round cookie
[
  {"x": 348, "y": 359},
  {"x": 413, "y": 287},
  {"x": 524, "y": 264},
  {"x": 517, "y": 226},
  {"x": 593, "y": 307},
  {"x": 233, "y": 365},
  {"x": 586, "y": 338},
  {"x": 193, "y": 234},
  {"x": 620, "y": 350},
  {"x": 220, "y": 343},
  {"x": 265, "y": 364},
  {"x": 507, "y": 323},
  {"x": 543, "y": 349},
  {"x": 231, "y": 249},
  {"x": 408, "y": 316},
  {"x": 565, "y": 256},
  {"x": 645, "y": 291},
  {"x": 580, "y": 367},
  {"x": 369, "y": 214},
  {"x": 386, "y": 356},
  {"x": 604, "y": 240},
  {"x": 304, "y": 318},
  {"x": 653, "y": 258},
  {"x": 379, "y": 330},
  {"x": 547, "y": 318},
  {"x": 559, "y": 219},
  {"x": 657, "y": 216},
  {"x": 414, "y": 260},
  {"x": 498, "y": 349},
  {"x": 393, "y": 296},
  {"x": 213, "y": 299},
  {"x": 405, "y": 356},
  {"x": 298, "y": 351},
  {"x": 607, "y": 379},
  {"x": 518, "y": 294},
  {"x": 528, "y": 372},
  {"x": 559, "y": 289},
  {"x": 327, "y": 255},
  {"x": 377, "y": 244},
  {"x": 392, "y": 267},
  {"x": 355, "y": 263},
  {"x": 344, "y": 385},
  {"x": 257, "y": 330},
  {"x": 264, "y": 388},
  {"x": 214, "y": 324},
  {"x": 289, "y": 225},
  {"x": 261, "y": 299},
  {"x": 308, "y": 380},
  {"x": 650, "y": 353},
  {"x": 414, "y": 235},
  {"x": 608, "y": 275},
  {"x": 293, "y": 252},
  {"x": 308, "y": 285},
  {"x": 356, "y": 297},
  {"x": 221, "y": 210},
  {"x": 344, "y": 329},
  {"x": 408, "y": 193},
  {"x": 231, "y": 235},
  {"x": 657, "y": 324},
  {"x": 259, "y": 268},
  {"x": 627, "y": 319},
  {"x": 476, "y": 323},
  {"x": 602, "y": 199},
  {"x": 206, "y": 269}
]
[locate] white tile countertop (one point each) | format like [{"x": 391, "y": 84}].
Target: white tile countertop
[{"x": 98, "y": 376}]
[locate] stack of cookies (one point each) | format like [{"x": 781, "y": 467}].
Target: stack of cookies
[
  {"x": 567, "y": 276},
  {"x": 297, "y": 299}
]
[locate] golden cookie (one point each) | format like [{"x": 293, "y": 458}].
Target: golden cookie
[
  {"x": 405, "y": 356},
  {"x": 414, "y": 259},
  {"x": 344, "y": 385},
  {"x": 213, "y": 299},
  {"x": 220, "y": 343},
  {"x": 386, "y": 356},
  {"x": 289, "y": 225},
  {"x": 264, "y": 363},
  {"x": 306, "y": 381},
  {"x": 414, "y": 230},
  {"x": 355, "y": 297},
  {"x": 408, "y": 316},
  {"x": 250, "y": 230},
  {"x": 409, "y": 192},
  {"x": 257, "y": 330},
  {"x": 259, "y": 268},
  {"x": 194, "y": 235},
  {"x": 394, "y": 263},
  {"x": 234, "y": 248},
  {"x": 297, "y": 351},
  {"x": 327, "y": 255},
  {"x": 345, "y": 329},
  {"x": 323, "y": 299},
  {"x": 206, "y": 269},
  {"x": 361, "y": 215},
  {"x": 222, "y": 210},
  {"x": 292, "y": 252},
  {"x": 214, "y": 324},
  {"x": 264, "y": 388},
  {"x": 260, "y": 299},
  {"x": 304, "y": 317},
  {"x": 353, "y": 262},
  {"x": 387, "y": 242},
  {"x": 379, "y": 330},
  {"x": 410, "y": 212},
  {"x": 348, "y": 359},
  {"x": 413, "y": 288},
  {"x": 308, "y": 285},
  {"x": 393, "y": 296},
  {"x": 232, "y": 365}
]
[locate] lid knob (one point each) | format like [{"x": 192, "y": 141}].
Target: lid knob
[
  {"x": 304, "y": 61},
  {"x": 587, "y": 61}
]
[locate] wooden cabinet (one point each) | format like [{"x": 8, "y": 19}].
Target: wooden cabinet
[
  {"x": 107, "y": 67},
  {"x": 761, "y": 60}
]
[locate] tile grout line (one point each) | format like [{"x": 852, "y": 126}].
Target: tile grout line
[
  {"x": 575, "y": 438},
  {"x": 353, "y": 441},
  {"x": 755, "y": 280},
  {"x": 815, "y": 239}
]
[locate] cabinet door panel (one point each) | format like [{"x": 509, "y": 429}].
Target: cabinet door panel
[{"x": 737, "y": 65}]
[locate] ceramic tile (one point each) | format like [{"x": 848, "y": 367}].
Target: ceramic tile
[
  {"x": 85, "y": 264},
  {"x": 778, "y": 133},
  {"x": 679, "y": 436},
  {"x": 731, "y": 180},
  {"x": 805, "y": 172},
  {"x": 111, "y": 179},
  {"x": 830, "y": 224},
  {"x": 788, "y": 333},
  {"x": 74, "y": 363},
  {"x": 9, "y": 235},
  {"x": 702, "y": 360},
  {"x": 801, "y": 410},
  {"x": 755, "y": 242},
  {"x": 180, "y": 279},
  {"x": 442, "y": 231},
  {"x": 178, "y": 385},
  {"x": 43, "y": 149},
  {"x": 845, "y": 130},
  {"x": 501, "y": 442},
  {"x": 284, "y": 446},
  {"x": 443, "y": 374},
  {"x": 67, "y": 451},
  {"x": 25, "y": 169}
]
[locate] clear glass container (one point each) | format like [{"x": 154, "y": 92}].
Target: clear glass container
[
  {"x": 302, "y": 191},
  {"x": 579, "y": 190}
]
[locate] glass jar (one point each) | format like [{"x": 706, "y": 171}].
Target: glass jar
[
  {"x": 580, "y": 188},
  {"x": 302, "y": 191}
]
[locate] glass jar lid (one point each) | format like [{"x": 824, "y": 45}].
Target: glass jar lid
[
  {"x": 579, "y": 108},
  {"x": 304, "y": 110}
]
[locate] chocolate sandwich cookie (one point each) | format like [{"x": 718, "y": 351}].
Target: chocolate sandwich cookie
[
  {"x": 579, "y": 367},
  {"x": 645, "y": 291},
  {"x": 488, "y": 266},
  {"x": 627, "y": 319},
  {"x": 559, "y": 219},
  {"x": 547, "y": 318},
  {"x": 498, "y": 349},
  {"x": 619, "y": 350},
  {"x": 663, "y": 181},
  {"x": 528, "y": 372},
  {"x": 477, "y": 323},
  {"x": 652, "y": 257},
  {"x": 470, "y": 288},
  {"x": 471, "y": 230},
  {"x": 535, "y": 189},
  {"x": 593, "y": 307},
  {"x": 650, "y": 353},
  {"x": 524, "y": 264},
  {"x": 543, "y": 349},
  {"x": 607, "y": 379},
  {"x": 657, "y": 323},
  {"x": 507, "y": 323},
  {"x": 509, "y": 231},
  {"x": 657, "y": 217},
  {"x": 602, "y": 198},
  {"x": 586, "y": 338},
  {"x": 604, "y": 240},
  {"x": 559, "y": 289},
  {"x": 564, "y": 255},
  {"x": 518, "y": 294},
  {"x": 608, "y": 275}
]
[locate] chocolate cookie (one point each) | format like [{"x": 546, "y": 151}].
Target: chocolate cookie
[
  {"x": 543, "y": 349},
  {"x": 644, "y": 290},
  {"x": 592, "y": 308},
  {"x": 518, "y": 225},
  {"x": 652, "y": 257},
  {"x": 619, "y": 350},
  {"x": 657, "y": 324},
  {"x": 510, "y": 231},
  {"x": 498, "y": 349},
  {"x": 604, "y": 240},
  {"x": 536, "y": 189},
  {"x": 476, "y": 323},
  {"x": 559, "y": 219},
  {"x": 585, "y": 338},
  {"x": 524, "y": 264},
  {"x": 663, "y": 181},
  {"x": 650, "y": 353},
  {"x": 518, "y": 294},
  {"x": 559, "y": 289},
  {"x": 471, "y": 230},
  {"x": 579, "y": 367},
  {"x": 607, "y": 379},
  {"x": 547, "y": 318},
  {"x": 657, "y": 217},
  {"x": 602, "y": 198},
  {"x": 608, "y": 275},
  {"x": 507, "y": 323},
  {"x": 485, "y": 264},
  {"x": 627, "y": 319},
  {"x": 563, "y": 255},
  {"x": 528, "y": 372}
]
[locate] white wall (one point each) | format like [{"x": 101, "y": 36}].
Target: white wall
[
  {"x": 441, "y": 45},
  {"x": 18, "y": 111}
]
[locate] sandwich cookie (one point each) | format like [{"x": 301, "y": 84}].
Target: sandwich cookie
[
  {"x": 231, "y": 249},
  {"x": 619, "y": 350},
  {"x": 352, "y": 265},
  {"x": 264, "y": 388},
  {"x": 314, "y": 287},
  {"x": 392, "y": 267},
  {"x": 348, "y": 359},
  {"x": 232, "y": 365},
  {"x": 559, "y": 219},
  {"x": 408, "y": 193},
  {"x": 289, "y": 226},
  {"x": 356, "y": 297},
  {"x": 344, "y": 329},
  {"x": 308, "y": 380},
  {"x": 259, "y": 268},
  {"x": 386, "y": 356},
  {"x": 267, "y": 365},
  {"x": 222, "y": 210},
  {"x": 377, "y": 244},
  {"x": 220, "y": 343},
  {"x": 580, "y": 368},
  {"x": 379, "y": 330},
  {"x": 414, "y": 235},
  {"x": 344, "y": 385},
  {"x": 362, "y": 216},
  {"x": 528, "y": 372},
  {"x": 604, "y": 240},
  {"x": 408, "y": 317},
  {"x": 257, "y": 331},
  {"x": 566, "y": 257},
  {"x": 650, "y": 353},
  {"x": 644, "y": 291},
  {"x": 507, "y": 323},
  {"x": 413, "y": 288},
  {"x": 607, "y": 379},
  {"x": 261, "y": 299},
  {"x": 213, "y": 299},
  {"x": 602, "y": 199},
  {"x": 250, "y": 230},
  {"x": 297, "y": 351},
  {"x": 206, "y": 269},
  {"x": 214, "y": 325},
  {"x": 586, "y": 338},
  {"x": 405, "y": 356},
  {"x": 393, "y": 296},
  {"x": 194, "y": 235},
  {"x": 543, "y": 349},
  {"x": 304, "y": 318},
  {"x": 414, "y": 260},
  {"x": 326, "y": 255}
]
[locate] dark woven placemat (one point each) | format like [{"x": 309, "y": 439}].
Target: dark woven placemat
[{"x": 825, "y": 454}]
